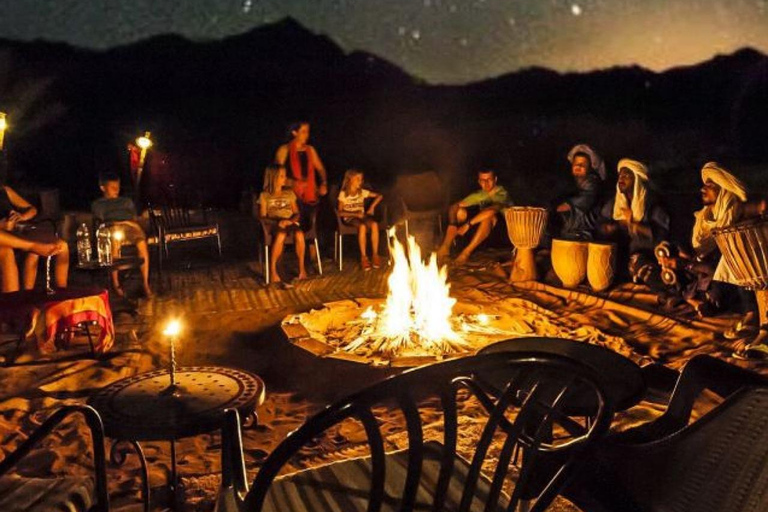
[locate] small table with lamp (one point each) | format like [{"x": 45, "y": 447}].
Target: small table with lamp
[{"x": 170, "y": 404}]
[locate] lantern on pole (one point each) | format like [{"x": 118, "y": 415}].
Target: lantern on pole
[
  {"x": 144, "y": 143},
  {"x": 3, "y": 127}
]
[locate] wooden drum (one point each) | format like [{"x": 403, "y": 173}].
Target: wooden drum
[
  {"x": 744, "y": 247},
  {"x": 601, "y": 263},
  {"x": 569, "y": 261},
  {"x": 525, "y": 225}
]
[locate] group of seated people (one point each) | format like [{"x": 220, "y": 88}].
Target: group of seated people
[
  {"x": 632, "y": 216},
  {"x": 17, "y": 236}
]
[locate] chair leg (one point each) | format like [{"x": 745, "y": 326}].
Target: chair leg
[
  {"x": 440, "y": 225},
  {"x": 319, "y": 259},
  {"x": 218, "y": 243},
  {"x": 341, "y": 253},
  {"x": 266, "y": 263},
  {"x": 407, "y": 232},
  {"x": 336, "y": 246}
]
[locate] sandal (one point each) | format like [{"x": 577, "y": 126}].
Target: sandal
[
  {"x": 740, "y": 330},
  {"x": 754, "y": 352}
]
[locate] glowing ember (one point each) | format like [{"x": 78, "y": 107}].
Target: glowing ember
[{"x": 418, "y": 312}]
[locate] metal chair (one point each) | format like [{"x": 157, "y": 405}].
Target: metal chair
[
  {"x": 310, "y": 236},
  {"x": 45, "y": 494},
  {"x": 427, "y": 475},
  {"x": 716, "y": 463},
  {"x": 422, "y": 196},
  {"x": 175, "y": 225}
]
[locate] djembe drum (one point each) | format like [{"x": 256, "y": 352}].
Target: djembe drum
[
  {"x": 601, "y": 263},
  {"x": 569, "y": 261},
  {"x": 744, "y": 247},
  {"x": 525, "y": 225}
]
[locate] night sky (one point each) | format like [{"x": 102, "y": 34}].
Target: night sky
[{"x": 441, "y": 41}]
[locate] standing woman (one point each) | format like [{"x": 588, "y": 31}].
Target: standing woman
[{"x": 303, "y": 165}]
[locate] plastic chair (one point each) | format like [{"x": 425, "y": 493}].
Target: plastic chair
[
  {"x": 422, "y": 197},
  {"x": 310, "y": 236},
  {"x": 70, "y": 493},
  {"x": 427, "y": 475},
  {"x": 717, "y": 463}
]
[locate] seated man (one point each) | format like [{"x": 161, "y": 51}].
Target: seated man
[
  {"x": 120, "y": 213},
  {"x": 9, "y": 272},
  {"x": 489, "y": 201},
  {"x": 703, "y": 272},
  {"x": 14, "y": 209},
  {"x": 634, "y": 220},
  {"x": 574, "y": 215}
]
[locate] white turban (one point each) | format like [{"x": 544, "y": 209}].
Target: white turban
[
  {"x": 638, "y": 193},
  {"x": 594, "y": 159},
  {"x": 724, "y": 212}
]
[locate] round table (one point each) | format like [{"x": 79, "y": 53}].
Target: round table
[
  {"x": 146, "y": 408},
  {"x": 622, "y": 380}
]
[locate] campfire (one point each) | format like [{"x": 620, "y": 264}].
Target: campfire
[{"x": 417, "y": 319}]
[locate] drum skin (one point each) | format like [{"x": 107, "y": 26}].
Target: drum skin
[
  {"x": 525, "y": 225},
  {"x": 601, "y": 264},
  {"x": 569, "y": 261}
]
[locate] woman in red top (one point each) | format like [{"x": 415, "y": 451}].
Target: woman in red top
[{"x": 304, "y": 166}]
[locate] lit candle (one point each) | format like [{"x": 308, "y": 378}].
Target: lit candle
[
  {"x": 118, "y": 236},
  {"x": 172, "y": 330}
]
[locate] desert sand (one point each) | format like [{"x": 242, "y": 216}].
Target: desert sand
[{"x": 232, "y": 319}]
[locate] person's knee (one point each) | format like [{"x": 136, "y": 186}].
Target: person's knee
[
  {"x": 298, "y": 235},
  {"x": 63, "y": 248},
  {"x": 374, "y": 226},
  {"x": 362, "y": 228},
  {"x": 31, "y": 259}
]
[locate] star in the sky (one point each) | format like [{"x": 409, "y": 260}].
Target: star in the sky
[{"x": 426, "y": 37}]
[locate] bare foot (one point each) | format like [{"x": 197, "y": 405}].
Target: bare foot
[
  {"x": 274, "y": 278},
  {"x": 148, "y": 293},
  {"x": 461, "y": 260},
  {"x": 302, "y": 275},
  {"x": 45, "y": 249},
  {"x": 118, "y": 291}
]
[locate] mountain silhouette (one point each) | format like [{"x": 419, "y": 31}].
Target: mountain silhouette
[{"x": 218, "y": 110}]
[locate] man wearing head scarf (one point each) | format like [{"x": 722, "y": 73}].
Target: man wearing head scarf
[
  {"x": 723, "y": 197},
  {"x": 576, "y": 212},
  {"x": 634, "y": 219}
]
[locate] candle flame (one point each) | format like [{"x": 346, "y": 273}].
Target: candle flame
[{"x": 172, "y": 328}]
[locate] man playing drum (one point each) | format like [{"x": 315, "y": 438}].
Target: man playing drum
[
  {"x": 634, "y": 220},
  {"x": 703, "y": 274},
  {"x": 489, "y": 201}
]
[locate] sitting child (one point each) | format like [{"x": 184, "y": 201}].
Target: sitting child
[
  {"x": 353, "y": 213},
  {"x": 279, "y": 212},
  {"x": 120, "y": 213}
]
